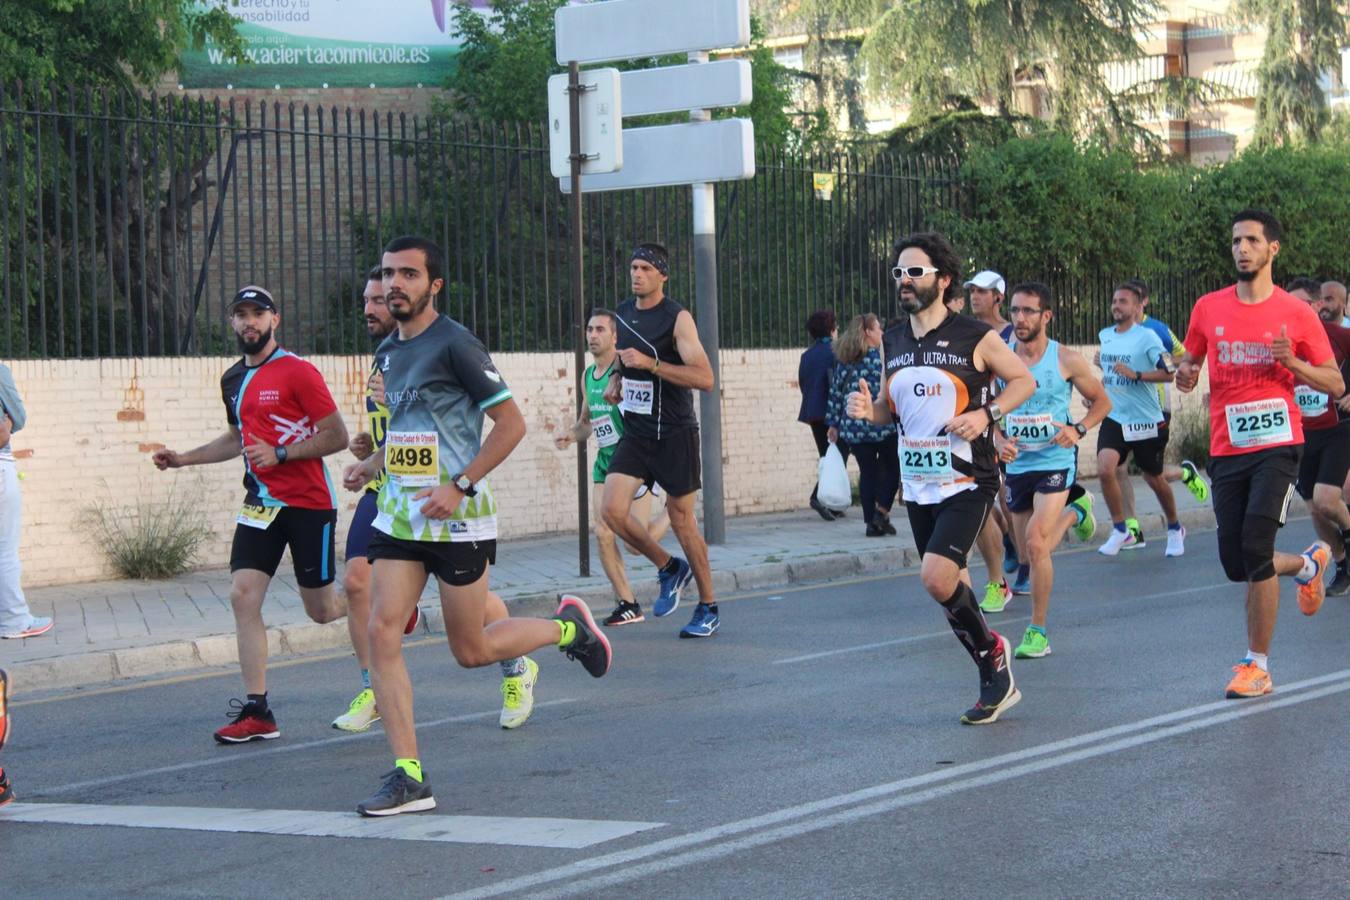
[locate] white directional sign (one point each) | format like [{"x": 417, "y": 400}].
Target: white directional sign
[
  {"x": 646, "y": 92},
  {"x": 601, "y": 123},
  {"x": 723, "y": 150},
  {"x": 629, "y": 29}
]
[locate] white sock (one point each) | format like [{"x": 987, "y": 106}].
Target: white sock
[
  {"x": 1308, "y": 572},
  {"x": 1262, "y": 661}
]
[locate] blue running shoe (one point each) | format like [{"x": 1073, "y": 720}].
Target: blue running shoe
[
  {"x": 669, "y": 599},
  {"x": 1022, "y": 586},
  {"x": 1010, "y": 560},
  {"x": 703, "y": 624}
]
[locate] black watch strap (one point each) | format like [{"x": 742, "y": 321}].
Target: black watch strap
[{"x": 281, "y": 454}]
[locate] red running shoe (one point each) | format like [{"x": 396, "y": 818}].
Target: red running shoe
[
  {"x": 249, "y": 723},
  {"x": 412, "y": 621},
  {"x": 4, "y": 707}
]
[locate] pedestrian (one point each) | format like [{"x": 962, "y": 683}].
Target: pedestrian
[
  {"x": 813, "y": 378},
  {"x": 858, "y": 355},
  {"x": 6, "y": 792},
  {"x": 16, "y": 621}
]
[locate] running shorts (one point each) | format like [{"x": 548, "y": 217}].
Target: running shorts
[
  {"x": 1251, "y": 494},
  {"x": 1326, "y": 458},
  {"x": 672, "y": 462},
  {"x": 363, "y": 525},
  {"x": 1021, "y": 486},
  {"x": 456, "y": 563},
  {"x": 1148, "y": 454},
  {"x": 949, "y": 528},
  {"x": 309, "y": 534}
]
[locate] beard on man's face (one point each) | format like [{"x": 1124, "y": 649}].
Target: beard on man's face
[
  {"x": 411, "y": 311},
  {"x": 250, "y": 347},
  {"x": 919, "y": 300}
]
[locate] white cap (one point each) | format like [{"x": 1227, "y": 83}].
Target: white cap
[{"x": 987, "y": 279}]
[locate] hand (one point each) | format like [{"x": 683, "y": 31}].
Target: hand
[
  {"x": 167, "y": 459},
  {"x": 1282, "y": 349},
  {"x": 1066, "y": 437},
  {"x": 633, "y": 359},
  {"x": 1007, "y": 448},
  {"x": 356, "y": 476},
  {"x": 376, "y": 385},
  {"x": 613, "y": 391},
  {"x": 1188, "y": 376},
  {"x": 563, "y": 441},
  {"x": 969, "y": 426},
  {"x": 442, "y": 501},
  {"x": 1344, "y": 403},
  {"x": 832, "y": 434},
  {"x": 362, "y": 446},
  {"x": 260, "y": 455},
  {"x": 1124, "y": 371},
  {"x": 860, "y": 401}
]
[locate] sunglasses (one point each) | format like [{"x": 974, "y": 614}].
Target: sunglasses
[{"x": 914, "y": 272}]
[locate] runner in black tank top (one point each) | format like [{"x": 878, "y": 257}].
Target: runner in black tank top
[
  {"x": 937, "y": 377},
  {"x": 661, "y": 363}
]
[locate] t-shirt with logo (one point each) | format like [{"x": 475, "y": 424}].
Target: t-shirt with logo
[
  {"x": 929, "y": 381},
  {"x": 377, "y": 420},
  {"x": 1252, "y": 405},
  {"x": 280, "y": 401},
  {"x": 606, "y": 421},
  {"x": 1172, "y": 344},
  {"x": 1134, "y": 405},
  {"x": 437, "y": 387},
  {"x": 1319, "y": 410}
]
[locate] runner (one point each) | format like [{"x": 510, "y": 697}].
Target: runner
[
  {"x": 1041, "y": 449},
  {"x": 1333, "y": 299},
  {"x": 601, "y": 418},
  {"x": 437, "y": 515},
  {"x": 1134, "y": 361},
  {"x": 661, "y": 363},
  {"x": 272, "y": 395},
  {"x": 1325, "y": 462},
  {"x": 937, "y": 386},
  {"x": 1257, "y": 340},
  {"x": 6, "y": 791}
]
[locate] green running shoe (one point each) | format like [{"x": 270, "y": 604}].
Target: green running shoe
[
  {"x": 996, "y": 597},
  {"x": 1087, "y": 524},
  {"x": 1034, "y": 644},
  {"x": 1190, "y": 476}
]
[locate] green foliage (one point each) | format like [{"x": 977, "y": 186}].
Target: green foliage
[
  {"x": 505, "y": 60},
  {"x": 1303, "y": 40},
  {"x": 150, "y": 540},
  {"x": 1190, "y": 437}
]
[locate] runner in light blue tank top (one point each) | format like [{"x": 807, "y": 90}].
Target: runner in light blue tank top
[{"x": 1033, "y": 424}]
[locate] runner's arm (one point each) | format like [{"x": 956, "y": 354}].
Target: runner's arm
[
  {"x": 330, "y": 436},
  {"x": 227, "y": 446},
  {"x": 696, "y": 371},
  {"x": 579, "y": 432},
  {"x": 1325, "y": 378},
  {"x": 357, "y": 475},
  {"x": 508, "y": 429},
  {"x": 1007, "y": 366},
  {"x": 1188, "y": 372}
]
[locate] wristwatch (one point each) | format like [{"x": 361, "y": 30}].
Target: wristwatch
[
  {"x": 465, "y": 485},
  {"x": 281, "y": 454},
  {"x": 1078, "y": 427},
  {"x": 994, "y": 412}
]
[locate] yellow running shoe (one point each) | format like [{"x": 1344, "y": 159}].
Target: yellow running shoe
[
  {"x": 1195, "y": 483},
  {"x": 997, "y": 594},
  {"x": 1249, "y": 680},
  {"x": 360, "y": 715},
  {"x": 518, "y": 696}
]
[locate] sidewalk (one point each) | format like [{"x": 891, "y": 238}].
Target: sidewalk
[{"x": 113, "y": 630}]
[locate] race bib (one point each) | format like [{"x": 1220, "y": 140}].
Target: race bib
[
  {"x": 255, "y": 516},
  {"x": 1033, "y": 431},
  {"x": 606, "y": 435},
  {"x": 637, "y": 397},
  {"x": 1310, "y": 402},
  {"x": 1259, "y": 423},
  {"x": 412, "y": 458},
  {"x": 926, "y": 460},
  {"x": 1139, "y": 431}
]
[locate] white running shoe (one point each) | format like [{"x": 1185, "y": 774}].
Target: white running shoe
[
  {"x": 518, "y": 696},
  {"x": 1176, "y": 541},
  {"x": 360, "y": 715},
  {"x": 1115, "y": 542}
]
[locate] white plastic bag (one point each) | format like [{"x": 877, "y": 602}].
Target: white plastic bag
[{"x": 834, "y": 490}]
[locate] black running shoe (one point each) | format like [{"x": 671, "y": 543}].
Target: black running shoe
[
  {"x": 998, "y": 691},
  {"x": 589, "y": 647},
  {"x": 624, "y": 614},
  {"x": 398, "y": 794},
  {"x": 821, "y": 510},
  {"x": 1340, "y": 585}
]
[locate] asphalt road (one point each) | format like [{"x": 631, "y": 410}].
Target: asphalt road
[{"x": 811, "y": 749}]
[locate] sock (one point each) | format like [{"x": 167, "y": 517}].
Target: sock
[
  {"x": 965, "y": 618},
  {"x": 1037, "y": 628},
  {"x": 513, "y": 668},
  {"x": 1305, "y": 574},
  {"x": 1132, "y": 524},
  {"x": 1173, "y": 526},
  {"x": 259, "y": 700},
  {"x": 671, "y": 567},
  {"x": 1079, "y": 515},
  {"x": 1023, "y": 572},
  {"x": 1261, "y": 660},
  {"x": 365, "y": 678},
  {"x": 1120, "y": 526},
  {"x": 569, "y": 632},
  {"x": 411, "y": 767}
]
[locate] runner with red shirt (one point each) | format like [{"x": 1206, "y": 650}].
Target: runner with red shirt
[
  {"x": 283, "y": 420},
  {"x": 1258, "y": 341}
]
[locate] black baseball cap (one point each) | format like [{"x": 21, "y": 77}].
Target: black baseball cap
[{"x": 255, "y": 295}]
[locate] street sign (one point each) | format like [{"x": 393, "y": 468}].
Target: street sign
[
  {"x": 680, "y": 88},
  {"x": 630, "y": 29},
  {"x": 601, "y": 118},
  {"x": 698, "y": 152}
]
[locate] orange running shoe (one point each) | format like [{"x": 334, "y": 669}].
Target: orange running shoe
[
  {"x": 1249, "y": 680},
  {"x": 4, "y": 707},
  {"x": 1311, "y": 594}
]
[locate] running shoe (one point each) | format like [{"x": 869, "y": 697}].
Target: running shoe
[
  {"x": 1340, "y": 585},
  {"x": 996, "y": 597},
  {"x": 4, "y": 707},
  {"x": 40, "y": 625},
  {"x": 1176, "y": 541},
  {"x": 399, "y": 794},
  {"x": 1117, "y": 541},
  {"x": 1087, "y": 523},
  {"x": 624, "y": 614},
  {"x": 1034, "y": 645},
  {"x": 412, "y": 621},
  {"x": 1022, "y": 586},
  {"x": 821, "y": 509},
  {"x": 589, "y": 647},
  {"x": 6, "y": 792},
  {"x": 1194, "y": 481},
  {"x": 703, "y": 624},
  {"x": 886, "y": 525},
  {"x": 669, "y": 598},
  {"x": 1136, "y": 541},
  {"x": 518, "y": 696},
  {"x": 998, "y": 691},
  {"x": 1010, "y": 560},
  {"x": 360, "y": 715},
  {"x": 248, "y": 723},
  {"x": 1312, "y": 592},
  {"x": 1249, "y": 680}
]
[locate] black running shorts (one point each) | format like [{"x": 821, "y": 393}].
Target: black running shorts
[
  {"x": 456, "y": 563},
  {"x": 1021, "y": 487},
  {"x": 1148, "y": 454},
  {"x": 1251, "y": 494},
  {"x": 1326, "y": 458},
  {"x": 949, "y": 528},
  {"x": 672, "y": 462},
  {"x": 309, "y": 534}
]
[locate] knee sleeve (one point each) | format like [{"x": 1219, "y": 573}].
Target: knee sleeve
[
  {"x": 1230, "y": 555},
  {"x": 1258, "y": 547}
]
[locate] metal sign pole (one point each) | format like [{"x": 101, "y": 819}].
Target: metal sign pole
[{"x": 574, "y": 90}]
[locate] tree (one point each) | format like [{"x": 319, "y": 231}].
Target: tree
[
  {"x": 1303, "y": 41},
  {"x": 506, "y": 58}
]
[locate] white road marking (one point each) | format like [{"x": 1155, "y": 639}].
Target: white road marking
[
  {"x": 242, "y": 754},
  {"x": 794, "y": 821},
  {"x": 564, "y": 834}
]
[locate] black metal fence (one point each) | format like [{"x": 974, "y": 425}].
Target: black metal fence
[{"x": 127, "y": 223}]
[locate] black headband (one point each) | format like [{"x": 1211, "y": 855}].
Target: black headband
[{"x": 656, "y": 261}]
